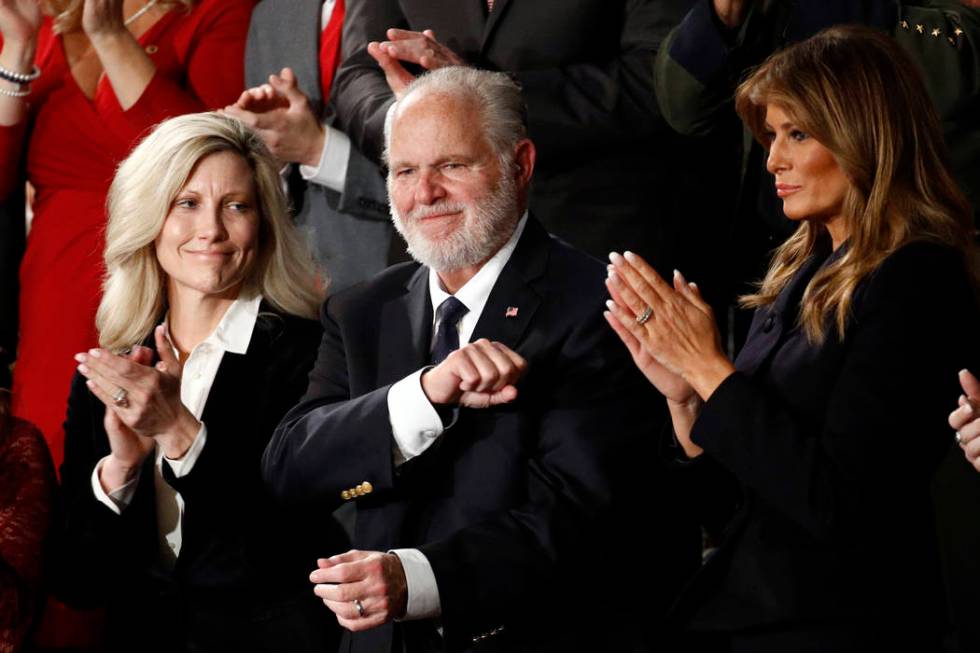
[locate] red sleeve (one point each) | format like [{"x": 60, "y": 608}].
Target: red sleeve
[{"x": 213, "y": 48}]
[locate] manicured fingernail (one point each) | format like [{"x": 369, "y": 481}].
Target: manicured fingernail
[
  {"x": 630, "y": 256},
  {"x": 613, "y": 276},
  {"x": 610, "y": 304},
  {"x": 968, "y": 408},
  {"x": 81, "y": 358},
  {"x": 94, "y": 352},
  {"x": 693, "y": 285},
  {"x": 677, "y": 273},
  {"x": 83, "y": 369},
  {"x": 615, "y": 257},
  {"x": 90, "y": 383}
]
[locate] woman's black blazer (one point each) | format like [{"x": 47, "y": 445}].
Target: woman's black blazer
[
  {"x": 832, "y": 447},
  {"x": 241, "y": 579}
]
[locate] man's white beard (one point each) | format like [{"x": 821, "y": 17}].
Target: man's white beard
[{"x": 487, "y": 225}]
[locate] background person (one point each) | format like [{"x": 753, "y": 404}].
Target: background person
[
  {"x": 165, "y": 519},
  {"x": 830, "y": 420},
  {"x": 609, "y": 171},
  {"x": 339, "y": 194}
]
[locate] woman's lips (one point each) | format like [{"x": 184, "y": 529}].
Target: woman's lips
[{"x": 783, "y": 190}]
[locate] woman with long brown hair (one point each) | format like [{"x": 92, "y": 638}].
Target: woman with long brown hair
[{"x": 829, "y": 425}]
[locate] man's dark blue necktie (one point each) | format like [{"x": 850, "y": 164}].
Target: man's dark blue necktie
[{"x": 448, "y": 315}]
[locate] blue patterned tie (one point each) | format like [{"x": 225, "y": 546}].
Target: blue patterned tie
[{"x": 448, "y": 315}]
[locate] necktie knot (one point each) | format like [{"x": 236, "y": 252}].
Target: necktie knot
[{"x": 448, "y": 315}]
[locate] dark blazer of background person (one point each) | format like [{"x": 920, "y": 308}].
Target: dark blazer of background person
[
  {"x": 834, "y": 447},
  {"x": 607, "y": 169},
  {"x": 240, "y": 581},
  {"x": 523, "y": 510},
  {"x": 350, "y": 232},
  {"x": 701, "y": 62}
]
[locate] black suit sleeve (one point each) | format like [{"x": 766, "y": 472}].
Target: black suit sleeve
[
  {"x": 92, "y": 543},
  {"x": 318, "y": 433},
  {"x": 885, "y": 427}
]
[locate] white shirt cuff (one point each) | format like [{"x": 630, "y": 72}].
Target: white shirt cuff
[
  {"x": 420, "y": 581},
  {"x": 118, "y": 499},
  {"x": 332, "y": 169},
  {"x": 184, "y": 465},
  {"x": 415, "y": 424}
]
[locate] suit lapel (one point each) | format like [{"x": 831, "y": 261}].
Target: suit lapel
[
  {"x": 513, "y": 300},
  {"x": 771, "y": 323},
  {"x": 406, "y": 330},
  {"x": 493, "y": 19}
]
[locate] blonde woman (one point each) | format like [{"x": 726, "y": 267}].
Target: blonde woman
[
  {"x": 829, "y": 425},
  {"x": 80, "y": 82},
  {"x": 207, "y": 337}
]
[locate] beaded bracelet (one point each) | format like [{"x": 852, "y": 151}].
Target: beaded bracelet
[
  {"x": 23, "y": 93},
  {"x": 20, "y": 78}
]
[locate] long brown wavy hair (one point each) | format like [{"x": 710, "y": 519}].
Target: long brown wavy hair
[{"x": 858, "y": 93}]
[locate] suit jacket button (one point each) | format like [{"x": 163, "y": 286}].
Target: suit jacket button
[
  {"x": 769, "y": 324},
  {"x": 367, "y": 487}
]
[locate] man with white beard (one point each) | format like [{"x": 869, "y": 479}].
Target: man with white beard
[{"x": 479, "y": 412}]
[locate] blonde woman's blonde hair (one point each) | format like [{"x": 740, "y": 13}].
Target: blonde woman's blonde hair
[
  {"x": 858, "y": 93},
  {"x": 140, "y": 198},
  {"x": 68, "y": 13}
]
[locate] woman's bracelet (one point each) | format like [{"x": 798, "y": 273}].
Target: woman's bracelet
[
  {"x": 24, "y": 92},
  {"x": 20, "y": 78}
]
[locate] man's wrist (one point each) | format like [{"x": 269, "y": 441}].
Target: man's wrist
[
  {"x": 432, "y": 391},
  {"x": 317, "y": 144}
]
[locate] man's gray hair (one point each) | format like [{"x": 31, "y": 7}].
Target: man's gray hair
[{"x": 496, "y": 94}]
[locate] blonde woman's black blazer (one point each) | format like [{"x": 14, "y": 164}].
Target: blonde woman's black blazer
[{"x": 240, "y": 582}]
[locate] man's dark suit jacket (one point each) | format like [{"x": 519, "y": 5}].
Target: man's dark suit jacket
[
  {"x": 528, "y": 512},
  {"x": 240, "y": 582},
  {"x": 607, "y": 169},
  {"x": 834, "y": 446}
]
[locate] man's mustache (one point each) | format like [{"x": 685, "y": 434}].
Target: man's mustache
[{"x": 421, "y": 212}]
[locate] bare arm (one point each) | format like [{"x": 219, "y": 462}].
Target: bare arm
[{"x": 126, "y": 65}]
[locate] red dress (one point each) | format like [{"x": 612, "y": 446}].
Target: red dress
[{"x": 73, "y": 147}]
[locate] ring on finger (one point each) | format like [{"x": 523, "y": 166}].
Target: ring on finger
[
  {"x": 360, "y": 607},
  {"x": 647, "y": 312},
  {"x": 120, "y": 397},
  {"x": 959, "y": 438}
]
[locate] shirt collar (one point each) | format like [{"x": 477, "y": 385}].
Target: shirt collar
[
  {"x": 475, "y": 292},
  {"x": 234, "y": 331}
]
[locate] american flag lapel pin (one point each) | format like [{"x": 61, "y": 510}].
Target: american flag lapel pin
[{"x": 511, "y": 311}]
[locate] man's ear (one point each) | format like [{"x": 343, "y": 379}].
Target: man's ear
[{"x": 525, "y": 154}]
